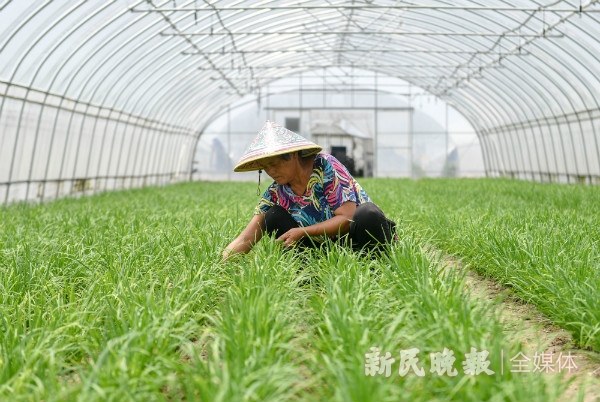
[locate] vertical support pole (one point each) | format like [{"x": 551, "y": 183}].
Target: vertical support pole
[
  {"x": 447, "y": 133},
  {"x": 376, "y": 123},
  {"x": 229, "y": 167},
  {"x": 411, "y": 134}
]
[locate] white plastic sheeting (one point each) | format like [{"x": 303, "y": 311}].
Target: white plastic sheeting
[{"x": 107, "y": 94}]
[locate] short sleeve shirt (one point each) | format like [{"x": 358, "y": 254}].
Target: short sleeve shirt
[{"x": 330, "y": 185}]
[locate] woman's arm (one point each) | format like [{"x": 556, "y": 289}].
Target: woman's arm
[
  {"x": 247, "y": 239},
  {"x": 339, "y": 224}
]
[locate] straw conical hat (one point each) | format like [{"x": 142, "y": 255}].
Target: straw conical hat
[{"x": 273, "y": 140}]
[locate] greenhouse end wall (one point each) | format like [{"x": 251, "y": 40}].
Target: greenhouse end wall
[{"x": 386, "y": 135}]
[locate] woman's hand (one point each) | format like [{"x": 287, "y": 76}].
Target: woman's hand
[
  {"x": 247, "y": 239},
  {"x": 335, "y": 226},
  {"x": 292, "y": 236}
]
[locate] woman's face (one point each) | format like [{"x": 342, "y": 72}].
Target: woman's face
[{"x": 280, "y": 170}]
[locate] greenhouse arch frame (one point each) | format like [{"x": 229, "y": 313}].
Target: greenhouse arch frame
[{"x": 99, "y": 95}]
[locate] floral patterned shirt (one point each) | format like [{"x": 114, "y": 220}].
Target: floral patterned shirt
[{"x": 330, "y": 185}]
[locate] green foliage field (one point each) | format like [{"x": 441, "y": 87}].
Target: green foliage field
[
  {"x": 541, "y": 240},
  {"x": 123, "y": 297}
]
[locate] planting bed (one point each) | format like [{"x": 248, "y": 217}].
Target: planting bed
[{"x": 123, "y": 296}]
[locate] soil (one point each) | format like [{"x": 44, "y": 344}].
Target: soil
[{"x": 537, "y": 333}]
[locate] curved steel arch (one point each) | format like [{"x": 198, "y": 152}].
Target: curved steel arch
[
  {"x": 545, "y": 87},
  {"x": 156, "y": 73}
]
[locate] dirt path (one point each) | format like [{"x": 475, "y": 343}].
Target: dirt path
[{"x": 537, "y": 333}]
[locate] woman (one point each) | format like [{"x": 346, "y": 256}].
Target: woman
[{"x": 312, "y": 197}]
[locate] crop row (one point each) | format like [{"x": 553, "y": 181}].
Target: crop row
[
  {"x": 540, "y": 240},
  {"x": 123, "y": 296}
]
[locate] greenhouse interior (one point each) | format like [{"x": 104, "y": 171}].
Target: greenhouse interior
[{"x": 473, "y": 126}]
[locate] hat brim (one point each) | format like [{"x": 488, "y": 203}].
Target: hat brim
[{"x": 252, "y": 162}]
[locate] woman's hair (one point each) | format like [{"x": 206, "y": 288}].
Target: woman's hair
[{"x": 288, "y": 156}]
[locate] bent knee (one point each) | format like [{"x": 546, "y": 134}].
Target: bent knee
[{"x": 367, "y": 211}]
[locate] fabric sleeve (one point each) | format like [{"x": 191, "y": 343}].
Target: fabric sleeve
[
  {"x": 338, "y": 184},
  {"x": 268, "y": 199}
]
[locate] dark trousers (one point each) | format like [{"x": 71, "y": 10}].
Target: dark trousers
[{"x": 369, "y": 227}]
